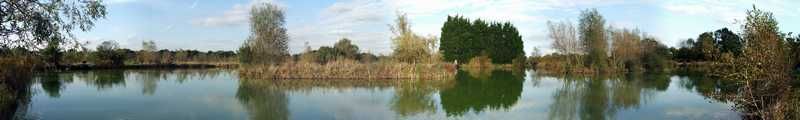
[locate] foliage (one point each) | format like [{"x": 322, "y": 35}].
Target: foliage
[
  {"x": 148, "y": 53},
  {"x": 462, "y": 40},
  {"x": 729, "y": 42},
  {"x": 593, "y": 36},
  {"x": 33, "y": 23},
  {"x": 52, "y": 54},
  {"x": 626, "y": 49},
  {"x": 268, "y": 41},
  {"x": 109, "y": 53},
  {"x": 762, "y": 70},
  {"x": 408, "y": 46}
]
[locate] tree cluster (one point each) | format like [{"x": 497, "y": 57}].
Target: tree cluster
[
  {"x": 343, "y": 49},
  {"x": 463, "y": 39},
  {"x": 709, "y": 46}
]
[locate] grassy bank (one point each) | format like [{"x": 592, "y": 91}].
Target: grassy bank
[{"x": 349, "y": 69}]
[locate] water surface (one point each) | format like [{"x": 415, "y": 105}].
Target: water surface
[{"x": 217, "y": 94}]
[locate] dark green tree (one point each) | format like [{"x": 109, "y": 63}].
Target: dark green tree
[
  {"x": 729, "y": 42},
  {"x": 462, "y": 40}
]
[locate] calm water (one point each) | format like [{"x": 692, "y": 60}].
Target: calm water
[{"x": 215, "y": 94}]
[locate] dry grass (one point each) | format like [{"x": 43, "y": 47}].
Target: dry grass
[{"x": 349, "y": 69}]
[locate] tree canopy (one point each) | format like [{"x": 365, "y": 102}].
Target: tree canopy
[{"x": 462, "y": 40}]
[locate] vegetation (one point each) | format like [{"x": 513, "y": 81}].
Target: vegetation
[
  {"x": 583, "y": 50},
  {"x": 412, "y": 58},
  {"x": 463, "y": 40},
  {"x": 268, "y": 41},
  {"x": 410, "y": 47},
  {"x": 593, "y": 36}
]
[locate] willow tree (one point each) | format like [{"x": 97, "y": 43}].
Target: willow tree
[
  {"x": 34, "y": 23},
  {"x": 268, "y": 40},
  {"x": 593, "y": 36}
]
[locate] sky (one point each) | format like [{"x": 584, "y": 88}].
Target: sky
[{"x": 223, "y": 24}]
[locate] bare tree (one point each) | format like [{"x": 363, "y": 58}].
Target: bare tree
[{"x": 565, "y": 37}]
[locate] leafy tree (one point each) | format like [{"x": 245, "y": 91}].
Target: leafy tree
[
  {"x": 346, "y": 49},
  {"x": 268, "y": 41},
  {"x": 707, "y": 47},
  {"x": 33, "y": 23},
  {"x": 52, "y": 53},
  {"x": 729, "y": 42},
  {"x": 593, "y": 36},
  {"x": 109, "y": 53}
]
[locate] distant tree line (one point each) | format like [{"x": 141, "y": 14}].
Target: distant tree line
[{"x": 463, "y": 39}]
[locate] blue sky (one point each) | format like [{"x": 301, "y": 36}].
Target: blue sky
[{"x": 222, "y": 24}]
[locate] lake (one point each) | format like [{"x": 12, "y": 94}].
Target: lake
[{"x": 219, "y": 94}]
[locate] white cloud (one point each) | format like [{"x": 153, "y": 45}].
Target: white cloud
[
  {"x": 237, "y": 15},
  {"x": 362, "y": 21}
]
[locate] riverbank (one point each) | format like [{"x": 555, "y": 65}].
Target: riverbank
[
  {"x": 141, "y": 66},
  {"x": 349, "y": 69}
]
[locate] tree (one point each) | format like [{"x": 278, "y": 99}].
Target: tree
[
  {"x": 268, "y": 41},
  {"x": 52, "y": 53},
  {"x": 148, "y": 53},
  {"x": 109, "y": 53},
  {"x": 729, "y": 42},
  {"x": 626, "y": 48},
  {"x": 706, "y": 46},
  {"x": 408, "y": 46},
  {"x": 462, "y": 40},
  {"x": 346, "y": 49},
  {"x": 33, "y": 23},
  {"x": 565, "y": 37},
  {"x": 593, "y": 36}
]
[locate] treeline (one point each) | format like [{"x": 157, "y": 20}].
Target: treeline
[
  {"x": 462, "y": 40},
  {"x": 585, "y": 49},
  {"x": 109, "y": 53}
]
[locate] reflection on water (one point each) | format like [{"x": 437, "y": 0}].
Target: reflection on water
[
  {"x": 263, "y": 100},
  {"x": 476, "y": 92},
  {"x": 495, "y": 94},
  {"x": 601, "y": 97}
]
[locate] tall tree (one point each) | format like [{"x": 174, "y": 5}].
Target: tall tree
[
  {"x": 268, "y": 41},
  {"x": 34, "y": 23},
  {"x": 593, "y": 36},
  {"x": 462, "y": 40}
]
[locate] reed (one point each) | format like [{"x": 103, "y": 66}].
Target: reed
[{"x": 348, "y": 69}]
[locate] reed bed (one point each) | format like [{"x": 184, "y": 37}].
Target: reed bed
[{"x": 349, "y": 69}]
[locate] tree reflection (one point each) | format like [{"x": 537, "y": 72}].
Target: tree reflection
[
  {"x": 103, "y": 79},
  {"x": 263, "y": 100},
  {"x": 53, "y": 83},
  {"x": 500, "y": 90},
  {"x": 415, "y": 97},
  {"x": 600, "y": 97}
]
